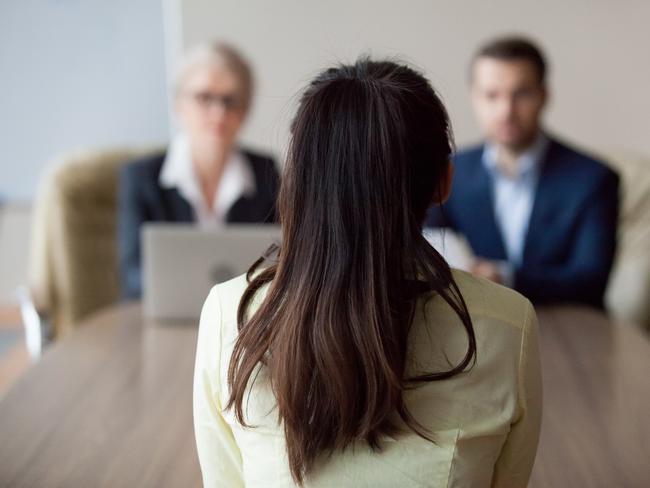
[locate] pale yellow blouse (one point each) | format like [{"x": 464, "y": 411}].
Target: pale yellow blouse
[{"x": 485, "y": 422}]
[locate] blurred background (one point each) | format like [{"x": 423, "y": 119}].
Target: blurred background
[{"x": 87, "y": 76}]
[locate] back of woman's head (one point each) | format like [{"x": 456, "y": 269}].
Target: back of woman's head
[
  {"x": 369, "y": 153},
  {"x": 372, "y": 137}
]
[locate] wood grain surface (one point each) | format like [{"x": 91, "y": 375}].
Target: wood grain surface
[
  {"x": 110, "y": 406},
  {"x": 596, "y": 417}
]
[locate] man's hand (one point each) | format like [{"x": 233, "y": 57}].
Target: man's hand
[{"x": 487, "y": 269}]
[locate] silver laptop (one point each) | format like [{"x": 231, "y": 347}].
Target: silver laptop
[{"x": 182, "y": 262}]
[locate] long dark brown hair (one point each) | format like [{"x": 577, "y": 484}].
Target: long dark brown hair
[{"x": 369, "y": 149}]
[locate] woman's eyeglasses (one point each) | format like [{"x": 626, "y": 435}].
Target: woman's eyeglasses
[{"x": 206, "y": 100}]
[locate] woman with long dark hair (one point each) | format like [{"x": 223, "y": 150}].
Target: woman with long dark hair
[{"x": 357, "y": 357}]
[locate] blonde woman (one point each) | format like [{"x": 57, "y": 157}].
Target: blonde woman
[{"x": 205, "y": 176}]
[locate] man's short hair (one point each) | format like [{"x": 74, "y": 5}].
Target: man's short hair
[{"x": 513, "y": 48}]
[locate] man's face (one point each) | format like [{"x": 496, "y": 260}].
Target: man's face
[
  {"x": 508, "y": 99},
  {"x": 210, "y": 107}
]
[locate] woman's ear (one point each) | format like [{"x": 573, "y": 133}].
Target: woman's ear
[{"x": 444, "y": 189}]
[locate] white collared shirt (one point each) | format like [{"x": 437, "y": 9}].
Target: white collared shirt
[
  {"x": 178, "y": 172},
  {"x": 514, "y": 196}
]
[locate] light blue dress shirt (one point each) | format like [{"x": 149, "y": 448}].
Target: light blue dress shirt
[{"x": 513, "y": 199}]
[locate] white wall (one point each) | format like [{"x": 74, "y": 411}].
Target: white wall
[
  {"x": 77, "y": 73},
  {"x": 597, "y": 50}
]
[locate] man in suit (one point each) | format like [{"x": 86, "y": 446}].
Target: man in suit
[
  {"x": 204, "y": 176},
  {"x": 540, "y": 216}
]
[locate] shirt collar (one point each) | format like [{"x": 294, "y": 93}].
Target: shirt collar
[
  {"x": 528, "y": 163},
  {"x": 178, "y": 172}
]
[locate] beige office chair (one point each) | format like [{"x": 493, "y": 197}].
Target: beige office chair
[
  {"x": 73, "y": 269},
  {"x": 628, "y": 291}
]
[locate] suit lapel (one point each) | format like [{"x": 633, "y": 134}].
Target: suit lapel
[
  {"x": 241, "y": 211},
  {"x": 542, "y": 212},
  {"x": 177, "y": 208},
  {"x": 482, "y": 208}
]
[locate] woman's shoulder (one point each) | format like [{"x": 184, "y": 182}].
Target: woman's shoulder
[
  {"x": 227, "y": 295},
  {"x": 218, "y": 320},
  {"x": 482, "y": 297},
  {"x": 232, "y": 288},
  {"x": 487, "y": 299},
  {"x": 224, "y": 298},
  {"x": 147, "y": 166}
]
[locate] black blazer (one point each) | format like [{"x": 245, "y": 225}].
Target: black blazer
[
  {"x": 571, "y": 239},
  {"x": 141, "y": 199}
]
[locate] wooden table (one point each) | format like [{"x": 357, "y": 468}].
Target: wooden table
[
  {"x": 596, "y": 417},
  {"x": 111, "y": 406}
]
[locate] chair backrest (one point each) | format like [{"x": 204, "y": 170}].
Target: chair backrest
[
  {"x": 73, "y": 268},
  {"x": 628, "y": 292}
]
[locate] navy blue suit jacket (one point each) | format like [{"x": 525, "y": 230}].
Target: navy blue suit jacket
[
  {"x": 571, "y": 240},
  {"x": 141, "y": 199}
]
